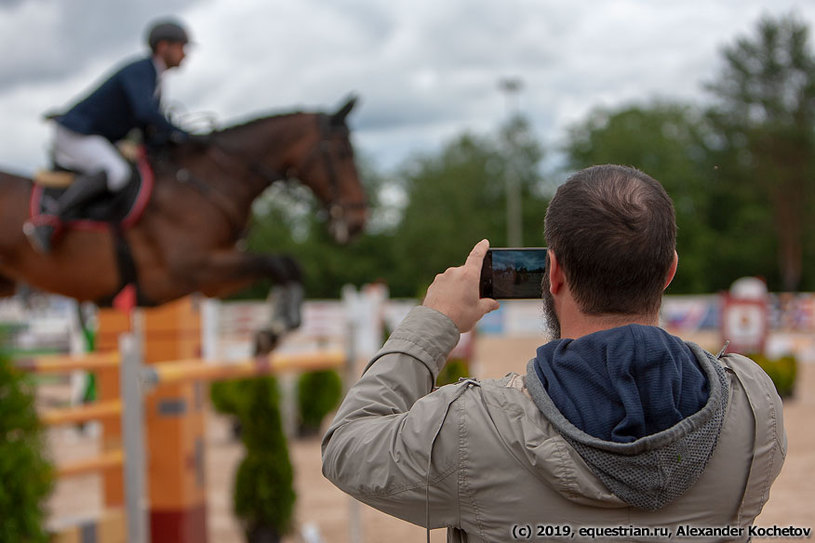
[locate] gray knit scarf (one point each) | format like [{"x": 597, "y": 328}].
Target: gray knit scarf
[{"x": 654, "y": 470}]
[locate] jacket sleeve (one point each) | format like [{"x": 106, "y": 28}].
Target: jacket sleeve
[
  {"x": 378, "y": 448},
  {"x": 139, "y": 84}
]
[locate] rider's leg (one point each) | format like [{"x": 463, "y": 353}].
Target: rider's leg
[
  {"x": 84, "y": 188},
  {"x": 89, "y": 154},
  {"x": 104, "y": 169}
]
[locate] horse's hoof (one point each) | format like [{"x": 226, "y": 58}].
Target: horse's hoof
[
  {"x": 266, "y": 341},
  {"x": 294, "y": 305},
  {"x": 286, "y": 302}
]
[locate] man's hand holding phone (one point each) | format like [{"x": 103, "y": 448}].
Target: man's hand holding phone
[{"x": 455, "y": 292}]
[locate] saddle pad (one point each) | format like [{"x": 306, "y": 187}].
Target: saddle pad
[{"x": 124, "y": 207}]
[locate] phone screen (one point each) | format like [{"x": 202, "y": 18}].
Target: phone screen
[{"x": 513, "y": 273}]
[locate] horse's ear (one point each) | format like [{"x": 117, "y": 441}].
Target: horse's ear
[{"x": 338, "y": 118}]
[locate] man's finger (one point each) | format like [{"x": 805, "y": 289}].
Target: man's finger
[
  {"x": 476, "y": 256},
  {"x": 487, "y": 305}
]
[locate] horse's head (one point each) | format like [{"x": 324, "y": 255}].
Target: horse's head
[
  {"x": 314, "y": 148},
  {"x": 327, "y": 166}
]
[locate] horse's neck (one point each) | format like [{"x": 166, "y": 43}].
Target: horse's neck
[
  {"x": 246, "y": 159},
  {"x": 268, "y": 147},
  {"x": 270, "y": 140}
]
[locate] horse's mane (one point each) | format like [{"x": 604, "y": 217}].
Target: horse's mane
[{"x": 257, "y": 120}]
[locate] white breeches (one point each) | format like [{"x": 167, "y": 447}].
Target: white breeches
[{"x": 90, "y": 154}]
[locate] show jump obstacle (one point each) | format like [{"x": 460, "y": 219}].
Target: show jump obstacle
[{"x": 151, "y": 404}]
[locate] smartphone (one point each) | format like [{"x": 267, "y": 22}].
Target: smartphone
[{"x": 513, "y": 273}]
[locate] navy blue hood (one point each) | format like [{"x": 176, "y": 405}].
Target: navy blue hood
[{"x": 624, "y": 383}]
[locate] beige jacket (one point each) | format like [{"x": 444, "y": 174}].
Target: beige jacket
[{"x": 479, "y": 458}]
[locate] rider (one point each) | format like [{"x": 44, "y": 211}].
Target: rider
[{"x": 85, "y": 135}]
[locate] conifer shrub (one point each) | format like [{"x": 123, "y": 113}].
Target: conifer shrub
[
  {"x": 318, "y": 393},
  {"x": 264, "y": 494},
  {"x": 452, "y": 371},
  {"x": 26, "y": 475},
  {"x": 783, "y": 371}
]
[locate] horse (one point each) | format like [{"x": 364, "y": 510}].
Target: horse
[{"x": 186, "y": 241}]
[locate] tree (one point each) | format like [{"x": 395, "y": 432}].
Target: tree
[
  {"x": 765, "y": 117},
  {"x": 458, "y": 197},
  {"x": 670, "y": 142}
]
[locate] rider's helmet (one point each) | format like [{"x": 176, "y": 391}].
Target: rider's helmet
[{"x": 166, "y": 30}]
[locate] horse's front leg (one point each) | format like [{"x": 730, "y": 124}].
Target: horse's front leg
[{"x": 227, "y": 272}]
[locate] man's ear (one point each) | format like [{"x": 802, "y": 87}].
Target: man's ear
[
  {"x": 671, "y": 271},
  {"x": 555, "y": 271}
]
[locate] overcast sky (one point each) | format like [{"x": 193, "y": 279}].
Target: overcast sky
[{"x": 425, "y": 69}]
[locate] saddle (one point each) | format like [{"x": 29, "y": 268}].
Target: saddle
[
  {"x": 111, "y": 212},
  {"x": 121, "y": 209}
]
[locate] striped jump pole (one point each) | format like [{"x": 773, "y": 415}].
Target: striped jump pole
[{"x": 185, "y": 371}]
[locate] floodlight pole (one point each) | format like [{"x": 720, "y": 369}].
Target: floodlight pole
[{"x": 511, "y": 87}]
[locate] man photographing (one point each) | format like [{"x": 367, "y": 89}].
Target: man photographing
[{"x": 617, "y": 425}]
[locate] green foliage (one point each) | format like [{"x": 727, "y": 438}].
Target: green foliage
[
  {"x": 8, "y": 330},
  {"x": 318, "y": 393},
  {"x": 783, "y": 371},
  {"x": 667, "y": 141},
  {"x": 228, "y": 396},
  {"x": 452, "y": 371},
  {"x": 264, "y": 484},
  {"x": 764, "y": 118},
  {"x": 260, "y": 415},
  {"x": 458, "y": 197},
  {"x": 27, "y": 476}
]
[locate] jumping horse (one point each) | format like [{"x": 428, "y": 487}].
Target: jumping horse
[{"x": 187, "y": 238}]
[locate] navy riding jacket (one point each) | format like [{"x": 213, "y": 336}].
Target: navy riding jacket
[{"x": 126, "y": 100}]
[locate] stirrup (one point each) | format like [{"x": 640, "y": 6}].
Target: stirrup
[{"x": 40, "y": 236}]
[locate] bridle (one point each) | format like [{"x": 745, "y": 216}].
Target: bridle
[{"x": 319, "y": 156}]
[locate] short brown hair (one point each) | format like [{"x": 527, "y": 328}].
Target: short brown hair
[{"x": 613, "y": 230}]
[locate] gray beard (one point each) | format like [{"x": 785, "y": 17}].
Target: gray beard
[{"x": 552, "y": 330}]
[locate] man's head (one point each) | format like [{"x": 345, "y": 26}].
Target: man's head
[
  {"x": 612, "y": 230},
  {"x": 167, "y": 40}
]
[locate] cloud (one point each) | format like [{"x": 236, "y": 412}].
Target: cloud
[
  {"x": 425, "y": 69},
  {"x": 52, "y": 39}
]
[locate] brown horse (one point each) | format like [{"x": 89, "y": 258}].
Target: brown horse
[{"x": 186, "y": 239}]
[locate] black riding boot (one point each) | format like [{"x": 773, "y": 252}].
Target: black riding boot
[{"x": 85, "y": 187}]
